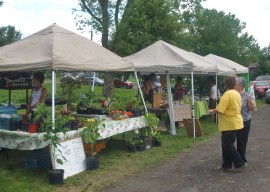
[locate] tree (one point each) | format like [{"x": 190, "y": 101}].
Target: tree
[
  {"x": 146, "y": 21},
  {"x": 8, "y": 35},
  {"x": 210, "y": 31},
  {"x": 104, "y": 15}
]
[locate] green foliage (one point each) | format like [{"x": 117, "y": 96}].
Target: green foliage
[
  {"x": 69, "y": 85},
  {"x": 90, "y": 134},
  {"x": 53, "y": 129},
  {"x": 146, "y": 21},
  {"x": 9, "y": 35}
]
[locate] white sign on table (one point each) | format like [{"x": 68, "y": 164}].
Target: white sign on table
[{"x": 74, "y": 154}]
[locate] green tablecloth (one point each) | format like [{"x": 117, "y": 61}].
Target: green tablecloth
[{"x": 201, "y": 108}]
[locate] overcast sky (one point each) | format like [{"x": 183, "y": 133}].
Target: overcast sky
[{"x": 30, "y": 16}]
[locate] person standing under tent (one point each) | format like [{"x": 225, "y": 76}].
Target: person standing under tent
[
  {"x": 178, "y": 90},
  {"x": 214, "y": 95},
  {"x": 149, "y": 87},
  {"x": 230, "y": 121},
  {"x": 38, "y": 94},
  {"x": 248, "y": 105}
]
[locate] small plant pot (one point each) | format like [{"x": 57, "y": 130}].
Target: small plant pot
[
  {"x": 32, "y": 128},
  {"x": 89, "y": 111},
  {"x": 69, "y": 124},
  {"x": 13, "y": 125},
  {"x": 158, "y": 143},
  {"x": 92, "y": 163},
  {"x": 132, "y": 148},
  {"x": 137, "y": 113},
  {"x": 24, "y": 126},
  {"x": 140, "y": 148},
  {"x": 56, "y": 176},
  {"x": 75, "y": 125}
]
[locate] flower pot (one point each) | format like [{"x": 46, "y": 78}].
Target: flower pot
[
  {"x": 32, "y": 128},
  {"x": 56, "y": 176},
  {"x": 158, "y": 143},
  {"x": 132, "y": 148},
  {"x": 24, "y": 126},
  {"x": 140, "y": 148},
  {"x": 13, "y": 125},
  {"x": 69, "y": 124},
  {"x": 92, "y": 163},
  {"x": 137, "y": 113},
  {"x": 75, "y": 125},
  {"x": 89, "y": 110}
]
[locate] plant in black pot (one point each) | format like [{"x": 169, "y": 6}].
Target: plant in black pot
[
  {"x": 52, "y": 134},
  {"x": 90, "y": 134},
  {"x": 136, "y": 106},
  {"x": 131, "y": 145}
]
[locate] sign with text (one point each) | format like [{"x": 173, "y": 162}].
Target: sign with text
[{"x": 74, "y": 157}]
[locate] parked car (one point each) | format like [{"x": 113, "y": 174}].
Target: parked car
[
  {"x": 260, "y": 88},
  {"x": 98, "y": 81},
  {"x": 124, "y": 84},
  {"x": 267, "y": 96},
  {"x": 263, "y": 78}
]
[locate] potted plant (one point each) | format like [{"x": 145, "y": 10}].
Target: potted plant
[
  {"x": 135, "y": 105},
  {"x": 52, "y": 131},
  {"x": 90, "y": 134},
  {"x": 131, "y": 145},
  {"x": 140, "y": 145},
  {"x": 156, "y": 139},
  {"x": 14, "y": 122},
  {"x": 149, "y": 132}
]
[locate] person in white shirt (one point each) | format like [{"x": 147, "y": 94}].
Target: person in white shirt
[
  {"x": 38, "y": 94},
  {"x": 214, "y": 94}
]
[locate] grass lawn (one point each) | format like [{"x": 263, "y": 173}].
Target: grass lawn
[{"x": 115, "y": 161}]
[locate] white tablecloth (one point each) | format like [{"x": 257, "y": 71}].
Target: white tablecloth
[{"x": 29, "y": 141}]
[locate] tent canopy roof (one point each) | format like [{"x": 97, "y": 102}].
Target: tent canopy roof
[
  {"x": 57, "y": 48},
  {"x": 239, "y": 69},
  {"x": 161, "y": 57}
]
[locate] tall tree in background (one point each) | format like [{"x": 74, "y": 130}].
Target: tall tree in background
[
  {"x": 8, "y": 35},
  {"x": 103, "y": 15},
  {"x": 145, "y": 22},
  {"x": 210, "y": 31}
]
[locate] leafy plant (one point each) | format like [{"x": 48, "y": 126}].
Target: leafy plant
[
  {"x": 90, "y": 134},
  {"x": 152, "y": 122},
  {"x": 52, "y": 130}
]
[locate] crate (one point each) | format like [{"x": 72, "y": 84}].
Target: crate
[
  {"x": 147, "y": 142},
  {"x": 8, "y": 110},
  {"x": 37, "y": 160}
]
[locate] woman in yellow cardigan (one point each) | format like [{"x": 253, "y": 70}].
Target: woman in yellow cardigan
[{"x": 229, "y": 122}]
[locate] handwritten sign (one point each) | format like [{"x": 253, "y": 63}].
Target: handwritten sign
[{"x": 74, "y": 157}]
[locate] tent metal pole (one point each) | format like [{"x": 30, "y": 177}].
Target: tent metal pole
[
  {"x": 140, "y": 90},
  {"x": 93, "y": 83},
  {"x": 171, "y": 111},
  {"x": 216, "y": 114},
  {"x": 192, "y": 108},
  {"x": 53, "y": 97}
]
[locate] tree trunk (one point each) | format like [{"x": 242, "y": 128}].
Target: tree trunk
[{"x": 108, "y": 86}]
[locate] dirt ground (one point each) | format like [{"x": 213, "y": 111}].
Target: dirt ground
[{"x": 195, "y": 170}]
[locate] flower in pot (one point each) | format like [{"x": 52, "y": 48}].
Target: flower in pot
[
  {"x": 90, "y": 134},
  {"x": 139, "y": 145},
  {"x": 52, "y": 131}
]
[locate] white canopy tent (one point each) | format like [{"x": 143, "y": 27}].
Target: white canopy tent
[
  {"x": 239, "y": 69},
  {"x": 162, "y": 57},
  {"x": 59, "y": 49}
]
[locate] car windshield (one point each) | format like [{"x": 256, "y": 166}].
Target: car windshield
[
  {"x": 263, "y": 78},
  {"x": 262, "y": 83}
]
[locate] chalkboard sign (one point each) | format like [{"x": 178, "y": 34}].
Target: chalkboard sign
[{"x": 73, "y": 152}]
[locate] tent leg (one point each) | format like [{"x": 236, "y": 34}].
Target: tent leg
[
  {"x": 53, "y": 97},
  {"x": 140, "y": 90},
  {"x": 192, "y": 108}
]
